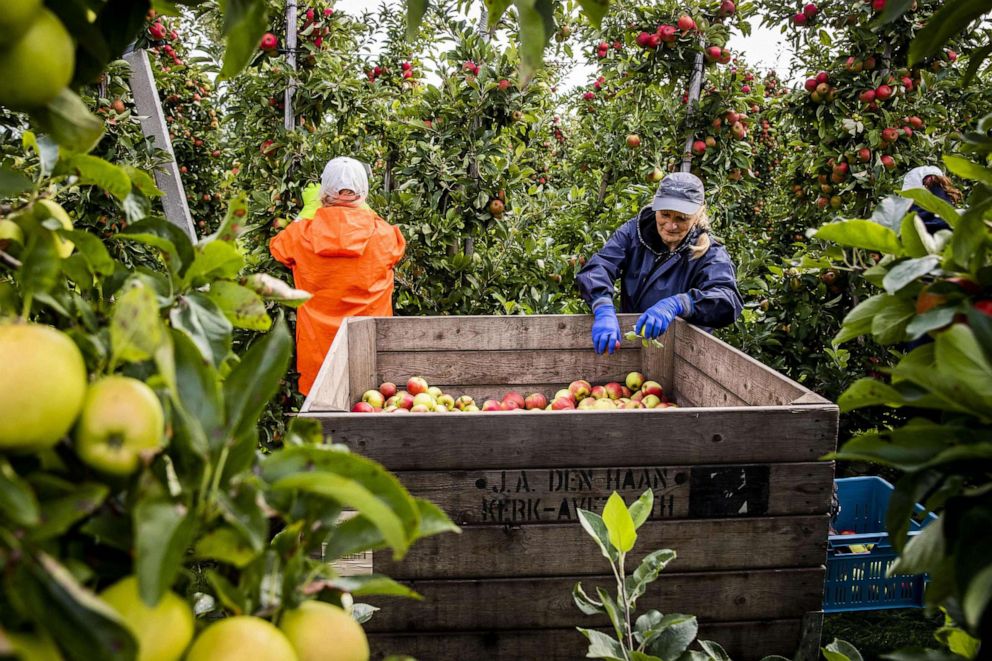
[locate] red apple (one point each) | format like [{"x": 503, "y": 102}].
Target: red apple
[
  {"x": 810, "y": 84},
  {"x": 599, "y": 392},
  {"x": 535, "y": 401},
  {"x": 562, "y": 404},
  {"x": 698, "y": 147},
  {"x": 666, "y": 33},
  {"x": 800, "y": 19},
  {"x": 416, "y": 385},
  {"x": 888, "y": 162},
  {"x": 269, "y": 42},
  {"x": 867, "y": 96},
  {"x": 515, "y": 397},
  {"x": 362, "y": 407},
  {"x": 883, "y": 93},
  {"x": 580, "y": 389},
  {"x": 491, "y": 405},
  {"x": 822, "y": 77},
  {"x": 614, "y": 390},
  {"x": 810, "y": 10},
  {"x": 890, "y": 134},
  {"x": 652, "y": 388},
  {"x": 387, "y": 389},
  {"x": 686, "y": 23}
]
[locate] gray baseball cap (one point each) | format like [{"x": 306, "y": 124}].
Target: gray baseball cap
[{"x": 679, "y": 191}]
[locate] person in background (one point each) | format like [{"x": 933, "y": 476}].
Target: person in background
[
  {"x": 668, "y": 265},
  {"x": 344, "y": 256},
  {"x": 931, "y": 178}
]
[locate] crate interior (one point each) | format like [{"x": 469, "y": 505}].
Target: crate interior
[{"x": 485, "y": 357}]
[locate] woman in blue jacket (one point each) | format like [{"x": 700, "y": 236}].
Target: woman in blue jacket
[{"x": 668, "y": 267}]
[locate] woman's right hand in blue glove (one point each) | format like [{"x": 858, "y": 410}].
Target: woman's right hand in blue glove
[{"x": 605, "y": 329}]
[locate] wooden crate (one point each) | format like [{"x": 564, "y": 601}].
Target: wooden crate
[{"x": 739, "y": 492}]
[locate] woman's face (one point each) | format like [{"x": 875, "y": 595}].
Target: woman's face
[{"x": 673, "y": 226}]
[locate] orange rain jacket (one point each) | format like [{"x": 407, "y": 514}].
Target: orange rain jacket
[{"x": 345, "y": 257}]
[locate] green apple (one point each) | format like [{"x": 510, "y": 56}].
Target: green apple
[
  {"x": 163, "y": 631},
  {"x": 242, "y": 638},
  {"x": 323, "y": 632},
  {"x": 121, "y": 423},
  {"x": 43, "y": 386}
]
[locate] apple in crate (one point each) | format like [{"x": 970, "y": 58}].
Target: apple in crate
[
  {"x": 447, "y": 401},
  {"x": 362, "y": 407},
  {"x": 652, "y": 388},
  {"x": 416, "y": 385},
  {"x": 424, "y": 400},
  {"x": 634, "y": 381},
  {"x": 563, "y": 404},
  {"x": 420, "y": 408},
  {"x": 464, "y": 401},
  {"x": 516, "y": 398},
  {"x": 375, "y": 398},
  {"x": 586, "y": 404},
  {"x": 387, "y": 389},
  {"x": 564, "y": 392},
  {"x": 605, "y": 404},
  {"x": 510, "y": 405},
  {"x": 579, "y": 389},
  {"x": 536, "y": 400},
  {"x": 599, "y": 392},
  {"x": 650, "y": 401},
  {"x": 491, "y": 405},
  {"x": 614, "y": 390},
  {"x": 435, "y": 392}
]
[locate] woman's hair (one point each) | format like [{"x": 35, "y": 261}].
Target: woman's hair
[
  {"x": 945, "y": 185},
  {"x": 704, "y": 241}
]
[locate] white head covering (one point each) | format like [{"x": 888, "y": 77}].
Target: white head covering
[
  {"x": 344, "y": 173},
  {"x": 914, "y": 178}
]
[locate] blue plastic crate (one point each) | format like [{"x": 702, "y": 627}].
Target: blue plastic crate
[{"x": 857, "y": 581}]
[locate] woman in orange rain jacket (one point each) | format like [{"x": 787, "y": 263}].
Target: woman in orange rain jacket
[{"x": 344, "y": 257}]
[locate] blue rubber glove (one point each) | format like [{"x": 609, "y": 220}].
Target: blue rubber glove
[
  {"x": 605, "y": 329},
  {"x": 659, "y": 317}
]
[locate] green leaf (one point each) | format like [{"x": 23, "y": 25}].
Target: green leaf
[
  {"x": 415, "y": 10},
  {"x": 929, "y": 321},
  {"x": 230, "y": 596},
  {"x": 173, "y": 244},
  {"x": 714, "y": 650},
  {"x": 142, "y": 181},
  {"x": 951, "y": 18},
  {"x": 641, "y": 508},
  {"x": 216, "y": 259},
  {"x": 916, "y": 240},
  {"x": 593, "y": 524},
  {"x": 251, "y": 384},
  {"x": 60, "y": 514},
  {"x": 17, "y": 501},
  {"x": 584, "y": 602},
  {"x": 245, "y": 21},
  {"x": 869, "y": 392},
  {"x": 224, "y": 545},
  {"x": 968, "y": 244},
  {"x": 274, "y": 289},
  {"x": 67, "y": 119},
  {"x": 85, "y": 627},
  {"x": 960, "y": 357},
  {"x": 536, "y": 20},
  {"x": 353, "y": 495},
  {"x": 13, "y": 183},
  {"x": 613, "y": 612},
  {"x": 92, "y": 250},
  {"x": 357, "y": 534},
  {"x": 95, "y": 171},
  {"x": 206, "y": 324},
  {"x": 602, "y": 646},
  {"x": 889, "y": 324},
  {"x": 675, "y": 638},
  {"x": 241, "y": 510},
  {"x": 496, "y": 9},
  {"x": 967, "y": 169},
  {"x": 619, "y": 524},
  {"x": 595, "y": 10},
  {"x": 922, "y": 553},
  {"x": 641, "y": 656},
  {"x": 891, "y": 211},
  {"x": 864, "y": 234},
  {"x": 858, "y": 321},
  {"x": 163, "y": 531},
  {"x": 242, "y": 307},
  {"x": 198, "y": 398},
  {"x": 931, "y": 202},
  {"x": 840, "y": 650},
  {"x": 372, "y": 584},
  {"x": 136, "y": 329},
  {"x": 39, "y": 264},
  {"x": 908, "y": 271},
  {"x": 646, "y": 573}
]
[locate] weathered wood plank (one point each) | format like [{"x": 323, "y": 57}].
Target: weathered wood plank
[
  {"x": 528, "y": 603},
  {"x": 331, "y": 388},
  {"x": 361, "y": 357},
  {"x": 588, "y": 438},
  {"x": 657, "y": 363},
  {"x": 509, "y": 367},
  {"x": 552, "y": 495},
  {"x": 743, "y": 641},
  {"x": 754, "y": 383},
  {"x": 492, "y": 333},
  {"x": 554, "y": 549},
  {"x": 697, "y": 386}
]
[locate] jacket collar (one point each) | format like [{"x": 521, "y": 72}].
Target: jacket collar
[{"x": 647, "y": 234}]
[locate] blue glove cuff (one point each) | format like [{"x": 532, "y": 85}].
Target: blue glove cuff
[{"x": 606, "y": 309}]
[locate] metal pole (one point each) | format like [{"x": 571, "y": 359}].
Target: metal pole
[
  {"x": 695, "y": 85},
  {"x": 290, "y": 117}
]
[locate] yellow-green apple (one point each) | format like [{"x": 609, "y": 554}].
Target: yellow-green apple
[
  {"x": 362, "y": 407},
  {"x": 435, "y": 392},
  {"x": 42, "y": 388},
  {"x": 464, "y": 402},
  {"x": 650, "y": 401},
  {"x": 389, "y": 408},
  {"x": 387, "y": 389},
  {"x": 420, "y": 408},
  {"x": 375, "y": 398},
  {"x": 536, "y": 401},
  {"x": 652, "y": 388},
  {"x": 580, "y": 389},
  {"x": 322, "y": 632},
  {"x": 242, "y": 638},
  {"x": 447, "y": 401},
  {"x": 599, "y": 392},
  {"x": 630, "y": 404},
  {"x": 424, "y": 399},
  {"x": 613, "y": 390},
  {"x": 162, "y": 631},
  {"x": 604, "y": 404},
  {"x": 564, "y": 392},
  {"x": 471, "y": 408},
  {"x": 516, "y": 398},
  {"x": 416, "y": 385},
  {"x": 586, "y": 403},
  {"x": 491, "y": 405},
  {"x": 121, "y": 423}
]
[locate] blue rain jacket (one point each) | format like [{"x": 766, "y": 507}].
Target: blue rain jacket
[
  {"x": 932, "y": 221},
  {"x": 649, "y": 271}
]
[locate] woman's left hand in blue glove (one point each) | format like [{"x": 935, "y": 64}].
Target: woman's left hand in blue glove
[{"x": 659, "y": 317}]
